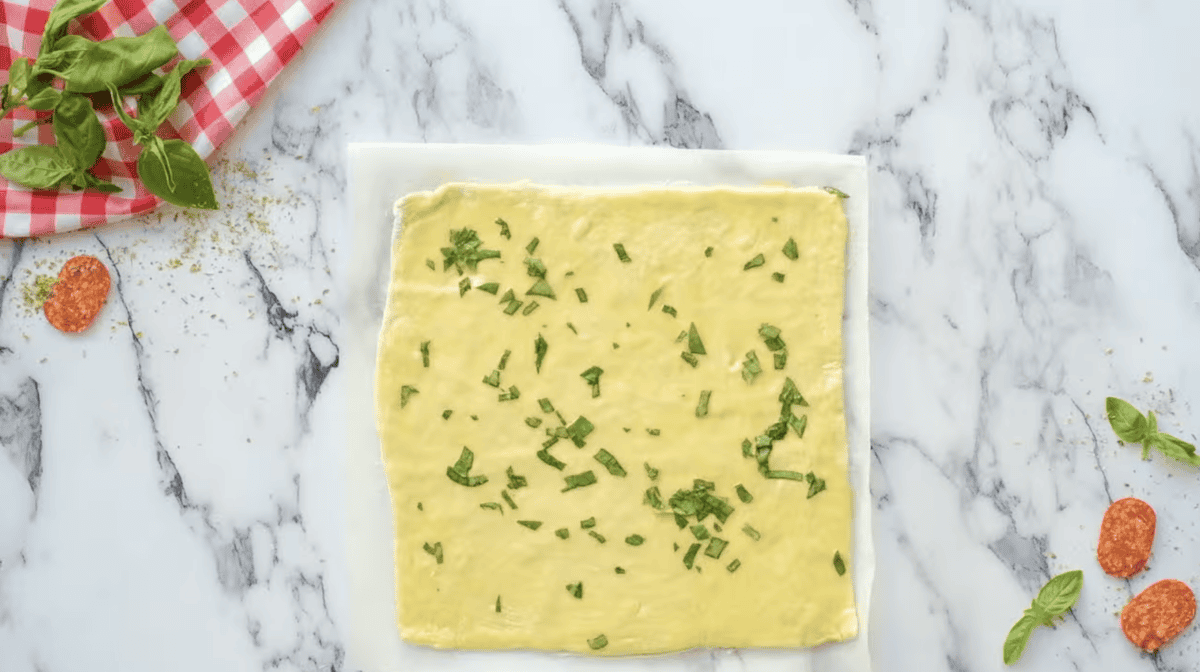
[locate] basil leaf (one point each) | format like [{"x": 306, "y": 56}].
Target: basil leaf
[
  {"x": 45, "y": 98},
  {"x": 36, "y": 167},
  {"x": 167, "y": 98},
  {"x": 1177, "y": 449},
  {"x": 182, "y": 180},
  {"x": 579, "y": 480},
  {"x": 1060, "y": 593},
  {"x": 690, "y": 557},
  {"x": 103, "y": 186},
  {"x": 789, "y": 249},
  {"x": 1127, "y": 422},
  {"x": 119, "y": 61},
  {"x": 531, "y": 524},
  {"x": 716, "y": 546},
  {"x": 695, "y": 345},
  {"x": 839, "y": 565},
  {"x": 78, "y": 132},
  {"x": 610, "y": 463},
  {"x": 1018, "y": 637},
  {"x": 61, "y": 15},
  {"x": 19, "y": 74}
]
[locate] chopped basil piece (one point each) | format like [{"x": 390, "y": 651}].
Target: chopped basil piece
[
  {"x": 598, "y": 642},
  {"x": 837, "y": 192},
  {"x": 466, "y": 251},
  {"x": 508, "y": 297},
  {"x": 592, "y": 377},
  {"x": 751, "y": 367},
  {"x": 791, "y": 394},
  {"x": 627, "y": 430},
  {"x": 770, "y": 336},
  {"x": 615, "y": 346},
  {"x": 533, "y": 305},
  {"x": 689, "y": 358},
  {"x": 777, "y": 277},
  {"x": 562, "y": 533},
  {"x": 406, "y": 393},
  {"x": 620, "y": 570},
  {"x": 531, "y": 524},
  {"x": 489, "y": 287},
  {"x": 789, "y": 249},
  {"x": 492, "y": 505},
  {"x": 733, "y": 566},
  {"x": 634, "y": 539},
  {"x": 755, "y": 263},
  {"x": 654, "y": 432},
  {"x": 702, "y": 407},
  {"x": 508, "y": 500},
  {"x": 695, "y": 345},
  {"x": 504, "y": 360},
  {"x": 670, "y": 310},
  {"x": 606, "y": 458},
  {"x": 492, "y": 378},
  {"x": 708, "y": 251},
  {"x": 425, "y": 354},
  {"x": 651, "y": 471},
  {"x": 588, "y": 524},
  {"x": 547, "y": 407},
  {"x": 839, "y": 565},
  {"x": 653, "y": 498},
  {"x": 572, "y": 328},
  {"x": 699, "y": 531},
  {"x": 654, "y": 297},
  {"x": 699, "y": 484},
  {"x": 515, "y": 482},
  {"x": 533, "y": 422},
  {"x": 576, "y": 590},
  {"x": 744, "y": 494},
  {"x": 420, "y": 507},
  {"x": 504, "y": 228},
  {"x": 464, "y": 286},
  {"x": 716, "y": 527},
  {"x": 777, "y": 431},
  {"x": 681, "y": 337},
  {"x": 459, "y": 472},
  {"x": 751, "y": 532},
  {"x": 716, "y": 546},
  {"x": 747, "y": 448},
  {"x": 597, "y": 536},
  {"x": 581, "y": 295},
  {"x": 446, "y": 414},
  {"x": 475, "y": 418},
  {"x": 690, "y": 557},
  {"x": 815, "y": 485},
  {"x": 497, "y": 604},
  {"x": 513, "y": 307},
  {"x": 621, "y": 253},
  {"x": 579, "y": 430},
  {"x": 550, "y": 442},
  {"x": 782, "y": 474},
  {"x": 561, "y": 420},
  {"x": 798, "y": 424},
  {"x": 532, "y": 245},
  {"x": 432, "y": 266},
  {"x": 579, "y": 480},
  {"x": 541, "y": 288},
  {"x": 435, "y": 550},
  {"x": 780, "y": 360},
  {"x": 539, "y": 350},
  {"x": 545, "y": 456},
  {"x": 535, "y": 268}
]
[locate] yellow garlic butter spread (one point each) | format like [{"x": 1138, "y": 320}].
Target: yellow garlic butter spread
[{"x": 469, "y": 575}]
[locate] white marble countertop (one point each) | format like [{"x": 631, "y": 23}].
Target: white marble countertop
[{"x": 170, "y": 482}]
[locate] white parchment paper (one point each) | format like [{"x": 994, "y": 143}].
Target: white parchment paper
[{"x": 380, "y": 174}]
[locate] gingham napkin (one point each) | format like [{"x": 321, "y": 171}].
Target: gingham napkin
[{"x": 248, "y": 41}]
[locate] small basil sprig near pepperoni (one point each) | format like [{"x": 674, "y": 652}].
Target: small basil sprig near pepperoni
[
  {"x": 1132, "y": 427},
  {"x": 1055, "y": 599}
]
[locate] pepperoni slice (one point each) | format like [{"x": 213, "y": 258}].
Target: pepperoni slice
[
  {"x": 1126, "y": 535},
  {"x": 1158, "y": 613},
  {"x": 79, "y": 294}
]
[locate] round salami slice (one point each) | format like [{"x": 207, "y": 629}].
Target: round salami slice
[
  {"x": 79, "y": 294},
  {"x": 1158, "y": 613},
  {"x": 1126, "y": 536}
]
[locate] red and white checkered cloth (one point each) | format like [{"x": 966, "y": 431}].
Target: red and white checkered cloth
[{"x": 249, "y": 43}]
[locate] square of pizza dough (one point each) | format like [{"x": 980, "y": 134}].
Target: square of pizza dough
[{"x": 612, "y": 420}]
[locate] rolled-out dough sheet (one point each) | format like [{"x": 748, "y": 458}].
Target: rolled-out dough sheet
[{"x": 374, "y": 640}]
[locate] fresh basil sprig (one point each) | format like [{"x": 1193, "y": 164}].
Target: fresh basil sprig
[
  {"x": 1055, "y": 599},
  {"x": 170, "y": 169},
  {"x": 1132, "y": 427}
]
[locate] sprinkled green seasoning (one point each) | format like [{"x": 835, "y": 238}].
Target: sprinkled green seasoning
[
  {"x": 699, "y": 531},
  {"x": 592, "y": 376},
  {"x": 621, "y": 253},
  {"x": 690, "y": 358},
  {"x": 606, "y": 458},
  {"x": 744, "y": 494},
  {"x": 539, "y": 350},
  {"x": 695, "y": 345},
  {"x": 597, "y": 536},
  {"x": 545, "y": 456},
  {"x": 508, "y": 500},
  {"x": 464, "y": 286},
  {"x": 751, "y": 532},
  {"x": 588, "y": 524},
  {"x": 716, "y": 546},
  {"x": 547, "y": 407},
  {"x": 755, "y": 263},
  {"x": 770, "y": 336},
  {"x": 504, "y": 228},
  {"x": 492, "y": 505},
  {"x": 681, "y": 337},
  {"x": 620, "y": 570},
  {"x": 406, "y": 393},
  {"x": 651, "y": 471},
  {"x": 708, "y": 251},
  {"x": 508, "y": 297},
  {"x": 837, "y": 192},
  {"x": 581, "y": 294},
  {"x": 798, "y": 424},
  {"x": 466, "y": 251},
  {"x": 634, "y": 539},
  {"x": 579, "y": 430},
  {"x": 531, "y": 524},
  {"x": 513, "y": 307},
  {"x": 654, "y": 297},
  {"x": 790, "y": 251},
  {"x": 541, "y": 288},
  {"x": 515, "y": 482},
  {"x": 489, "y": 287},
  {"x": 580, "y": 480},
  {"x": 654, "y": 432},
  {"x": 690, "y": 557},
  {"x": 780, "y": 360},
  {"x": 497, "y": 604},
  {"x": 815, "y": 485},
  {"x": 786, "y": 475},
  {"x": 420, "y": 506},
  {"x": 751, "y": 367},
  {"x": 532, "y": 245},
  {"x": 747, "y": 448},
  {"x": 425, "y": 353},
  {"x": 777, "y": 277},
  {"x": 653, "y": 498},
  {"x": 533, "y": 422},
  {"x": 459, "y": 472},
  {"x": 562, "y": 533},
  {"x": 702, "y": 407},
  {"x": 435, "y": 550},
  {"x": 598, "y": 642},
  {"x": 572, "y": 328},
  {"x": 504, "y": 360},
  {"x": 492, "y": 378},
  {"x": 535, "y": 268},
  {"x": 576, "y": 590},
  {"x": 432, "y": 266},
  {"x": 670, "y": 310},
  {"x": 446, "y": 414},
  {"x": 733, "y": 566},
  {"x": 533, "y": 305},
  {"x": 839, "y": 565}
]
